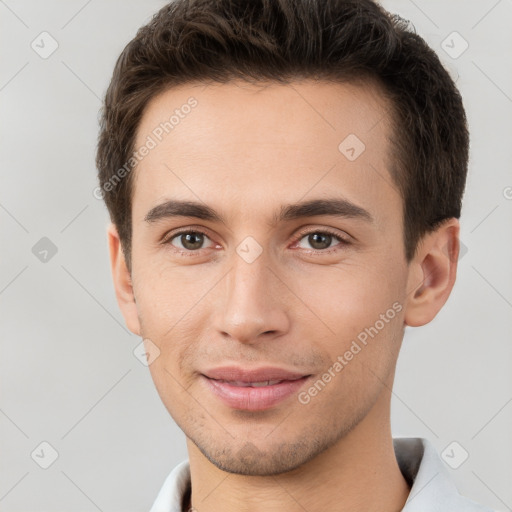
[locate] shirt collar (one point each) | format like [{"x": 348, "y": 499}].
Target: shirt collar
[{"x": 431, "y": 487}]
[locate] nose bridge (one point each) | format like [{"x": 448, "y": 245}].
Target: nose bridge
[
  {"x": 248, "y": 279},
  {"x": 249, "y": 305}
]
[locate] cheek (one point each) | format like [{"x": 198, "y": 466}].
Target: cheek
[
  {"x": 170, "y": 302},
  {"x": 167, "y": 295},
  {"x": 172, "y": 371},
  {"x": 344, "y": 299},
  {"x": 356, "y": 320}
]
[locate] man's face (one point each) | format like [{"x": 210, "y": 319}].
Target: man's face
[{"x": 251, "y": 289}]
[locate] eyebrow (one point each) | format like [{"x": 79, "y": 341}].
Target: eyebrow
[{"x": 336, "y": 207}]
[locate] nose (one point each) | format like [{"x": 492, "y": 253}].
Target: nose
[{"x": 252, "y": 303}]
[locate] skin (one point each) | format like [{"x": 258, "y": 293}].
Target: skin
[{"x": 246, "y": 151}]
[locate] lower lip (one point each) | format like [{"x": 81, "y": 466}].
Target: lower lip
[{"x": 254, "y": 398}]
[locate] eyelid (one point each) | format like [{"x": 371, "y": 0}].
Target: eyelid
[
  {"x": 344, "y": 240},
  {"x": 170, "y": 235}
]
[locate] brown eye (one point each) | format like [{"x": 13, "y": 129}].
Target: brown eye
[
  {"x": 320, "y": 240},
  {"x": 188, "y": 240}
]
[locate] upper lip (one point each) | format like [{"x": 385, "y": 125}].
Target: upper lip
[{"x": 235, "y": 373}]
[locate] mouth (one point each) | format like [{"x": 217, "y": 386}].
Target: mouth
[
  {"x": 253, "y": 390},
  {"x": 242, "y": 384}
]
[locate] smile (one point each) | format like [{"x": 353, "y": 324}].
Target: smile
[{"x": 254, "y": 395}]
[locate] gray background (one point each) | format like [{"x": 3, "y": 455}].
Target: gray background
[{"x": 68, "y": 373}]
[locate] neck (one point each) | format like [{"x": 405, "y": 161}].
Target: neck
[{"x": 358, "y": 473}]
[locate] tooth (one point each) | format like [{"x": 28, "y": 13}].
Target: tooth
[
  {"x": 260, "y": 384},
  {"x": 240, "y": 383}
]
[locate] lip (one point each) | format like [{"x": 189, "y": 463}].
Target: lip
[
  {"x": 235, "y": 373},
  {"x": 231, "y": 385}
]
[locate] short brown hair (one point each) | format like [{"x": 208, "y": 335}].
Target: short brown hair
[{"x": 284, "y": 40}]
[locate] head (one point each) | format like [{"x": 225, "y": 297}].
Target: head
[{"x": 316, "y": 154}]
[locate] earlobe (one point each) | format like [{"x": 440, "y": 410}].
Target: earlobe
[
  {"x": 122, "y": 281},
  {"x": 432, "y": 273}
]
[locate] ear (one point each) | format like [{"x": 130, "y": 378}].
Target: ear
[
  {"x": 122, "y": 281},
  {"x": 432, "y": 273}
]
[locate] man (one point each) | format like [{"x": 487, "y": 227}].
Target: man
[{"x": 284, "y": 180}]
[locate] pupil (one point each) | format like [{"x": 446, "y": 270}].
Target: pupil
[
  {"x": 192, "y": 240},
  {"x": 315, "y": 239}
]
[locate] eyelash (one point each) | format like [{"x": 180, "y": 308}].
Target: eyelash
[{"x": 325, "y": 231}]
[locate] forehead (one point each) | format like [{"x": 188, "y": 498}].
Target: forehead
[{"x": 240, "y": 143}]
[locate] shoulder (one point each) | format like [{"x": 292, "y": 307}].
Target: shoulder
[{"x": 431, "y": 485}]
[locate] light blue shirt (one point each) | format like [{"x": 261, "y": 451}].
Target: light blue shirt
[{"x": 431, "y": 487}]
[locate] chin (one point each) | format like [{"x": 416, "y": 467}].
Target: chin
[{"x": 274, "y": 458}]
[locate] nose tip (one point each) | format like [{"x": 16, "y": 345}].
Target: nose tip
[
  {"x": 248, "y": 333},
  {"x": 250, "y": 323},
  {"x": 250, "y": 308}
]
